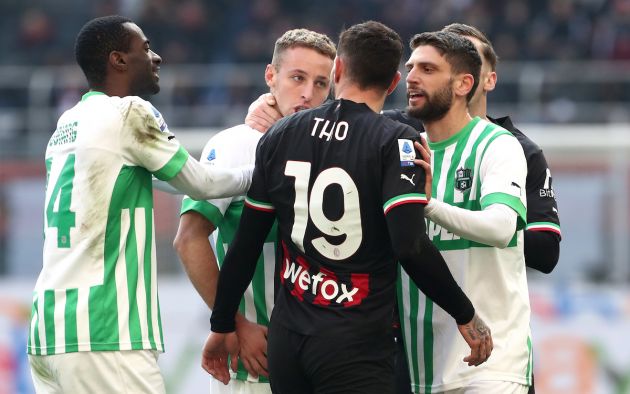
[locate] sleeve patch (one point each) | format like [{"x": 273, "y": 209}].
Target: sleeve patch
[
  {"x": 159, "y": 119},
  {"x": 407, "y": 152}
]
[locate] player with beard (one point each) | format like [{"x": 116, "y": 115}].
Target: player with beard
[
  {"x": 341, "y": 181},
  {"x": 542, "y": 235},
  {"x": 475, "y": 215}
]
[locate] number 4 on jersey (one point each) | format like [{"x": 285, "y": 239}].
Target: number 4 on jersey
[{"x": 63, "y": 218}]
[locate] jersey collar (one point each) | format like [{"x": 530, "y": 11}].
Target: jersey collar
[
  {"x": 455, "y": 137},
  {"x": 90, "y": 94}
]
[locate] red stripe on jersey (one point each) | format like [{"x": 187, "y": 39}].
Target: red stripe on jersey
[
  {"x": 259, "y": 207},
  {"x": 549, "y": 229},
  {"x": 298, "y": 291},
  {"x": 404, "y": 202},
  {"x": 319, "y": 299},
  {"x": 361, "y": 282}
]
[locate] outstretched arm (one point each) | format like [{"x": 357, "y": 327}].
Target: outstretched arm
[{"x": 426, "y": 266}]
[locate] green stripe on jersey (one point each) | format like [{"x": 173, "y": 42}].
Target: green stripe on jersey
[
  {"x": 226, "y": 231},
  {"x": 148, "y": 277},
  {"x": 511, "y": 201},
  {"x": 530, "y": 362},
  {"x": 132, "y": 194},
  {"x": 49, "y": 320},
  {"x": 462, "y": 142},
  {"x": 132, "y": 265},
  {"x": 35, "y": 348},
  {"x": 70, "y": 317},
  {"x": 427, "y": 335},
  {"x": 206, "y": 209},
  {"x": 413, "y": 328},
  {"x": 174, "y": 165}
]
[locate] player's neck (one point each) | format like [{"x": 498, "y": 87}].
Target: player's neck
[
  {"x": 454, "y": 120},
  {"x": 112, "y": 89},
  {"x": 479, "y": 108},
  {"x": 370, "y": 97}
]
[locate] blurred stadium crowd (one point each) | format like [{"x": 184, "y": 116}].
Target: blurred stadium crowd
[
  {"x": 195, "y": 31},
  {"x": 561, "y": 60}
]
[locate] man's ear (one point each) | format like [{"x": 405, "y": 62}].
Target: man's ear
[
  {"x": 270, "y": 73},
  {"x": 392, "y": 86},
  {"x": 490, "y": 82},
  {"x": 118, "y": 60},
  {"x": 338, "y": 69},
  {"x": 463, "y": 84}
]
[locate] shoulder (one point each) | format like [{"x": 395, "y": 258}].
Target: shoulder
[
  {"x": 237, "y": 138},
  {"x": 136, "y": 107},
  {"x": 530, "y": 148},
  {"x": 403, "y": 117},
  {"x": 233, "y": 134}
]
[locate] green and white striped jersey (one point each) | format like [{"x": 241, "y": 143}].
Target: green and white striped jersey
[
  {"x": 97, "y": 289},
  {"x": 230, "y": 148},
  {"x": 481, "y": 165}
]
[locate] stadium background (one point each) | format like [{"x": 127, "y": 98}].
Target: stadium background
[{"x": 564, "y": 77}]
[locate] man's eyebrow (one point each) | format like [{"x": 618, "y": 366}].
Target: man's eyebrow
[{"x": 424, "y": 63}]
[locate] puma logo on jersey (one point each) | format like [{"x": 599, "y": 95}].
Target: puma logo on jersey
[{"x": 405, "y": 177}]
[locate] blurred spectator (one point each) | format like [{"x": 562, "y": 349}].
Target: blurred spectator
[
  {"x": 239, "y": 31},
  {"x": 194, "y": 31}
]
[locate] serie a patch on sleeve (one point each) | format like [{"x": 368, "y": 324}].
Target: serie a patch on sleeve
[
  {"x": 159, "y": 118},
  {"x": 407, "y": 153}
]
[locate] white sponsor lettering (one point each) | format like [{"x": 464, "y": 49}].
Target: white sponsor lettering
[
  {"x": 339, "y": 131},
  {"x": 434, "y": 230},
  {"x": 329, "y": 288},
  {"x": 304, "y": 280}
]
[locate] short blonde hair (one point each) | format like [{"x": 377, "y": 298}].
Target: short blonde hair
[{"x": 303, "y": 38}]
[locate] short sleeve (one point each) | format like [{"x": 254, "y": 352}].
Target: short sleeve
[
  {"x": 148, "y": 141},
  {"x": 219, "y": 151},
  {"x": 503, "y": 171},
  {"x": 542, "y": 208},
  {"x": 258, "y": 196},
  {"x": 403, "y": 181}
]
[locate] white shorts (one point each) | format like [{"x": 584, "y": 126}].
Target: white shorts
[
  {"x": 107, "y": 372},
  {"x": 238, "y": 387},
  {"x": 490, "y": 387}
]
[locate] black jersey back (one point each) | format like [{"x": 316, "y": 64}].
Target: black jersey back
[{"x": 331, "y": 174}]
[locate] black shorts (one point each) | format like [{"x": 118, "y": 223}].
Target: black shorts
[{"x": 303, "y": 364}]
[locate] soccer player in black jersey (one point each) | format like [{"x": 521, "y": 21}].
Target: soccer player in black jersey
[{"x": 341, "y": 181}]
